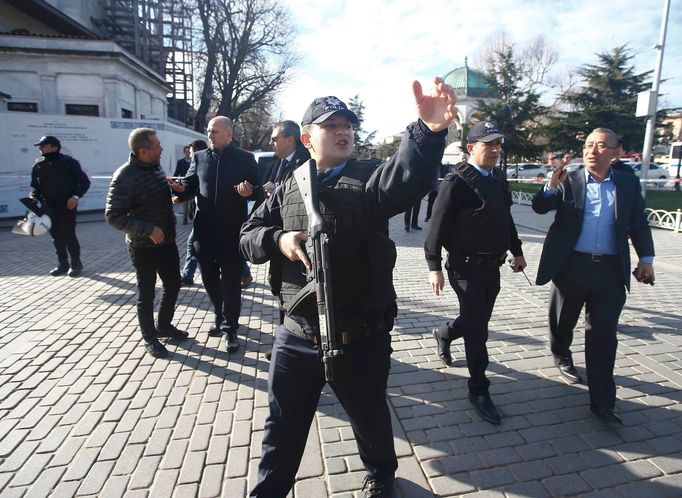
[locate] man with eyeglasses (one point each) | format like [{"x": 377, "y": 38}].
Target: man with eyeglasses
[
  {"x": 587, "y": 258},
  {"x": 472, "y": 221},
  {"x": 289, "y": 150},
  {"x": 290, "y": 153}
]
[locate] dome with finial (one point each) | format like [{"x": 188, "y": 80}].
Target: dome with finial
[{"x": 470, "y": 83}]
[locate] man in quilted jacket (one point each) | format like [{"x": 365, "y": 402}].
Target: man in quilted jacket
[{"x": 139, "y": 204}]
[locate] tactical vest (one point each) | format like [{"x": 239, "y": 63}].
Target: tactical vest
[
  {"x": 484, "y": 229},
  {"x": 362, "y": 256}
]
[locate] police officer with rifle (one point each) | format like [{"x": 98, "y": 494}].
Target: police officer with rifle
[{"x": 339, "y": 308}]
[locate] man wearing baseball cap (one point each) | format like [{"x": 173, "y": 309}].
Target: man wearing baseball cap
[
  {"x": 472, "y": 221},
  {"x": 58, "y": 183},
  {"x": 357, "y": 198}
]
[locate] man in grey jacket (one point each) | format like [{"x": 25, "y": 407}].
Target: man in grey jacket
[{"x": 139, "y": 204}]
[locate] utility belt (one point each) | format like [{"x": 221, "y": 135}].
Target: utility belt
[
  {"x": 477, "y": 259},
  {"x": 344, "y": 337}
]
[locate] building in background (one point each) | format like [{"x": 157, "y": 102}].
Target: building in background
[{"x": 88, "y": 72}]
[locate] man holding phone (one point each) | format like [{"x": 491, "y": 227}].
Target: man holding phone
[{"x": 587, "y": 258}]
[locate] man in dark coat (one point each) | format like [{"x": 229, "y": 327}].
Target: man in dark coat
[
  {"x": 139, "y": 204},
  {"x": 58, "y": 183},
  {"x": 357, "y": 199},
  {"x": 222, "y": 178},
  {"x": 587, "y": 258}
]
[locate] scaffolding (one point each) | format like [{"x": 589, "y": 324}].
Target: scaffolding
[{"x": 159, "y": 33}]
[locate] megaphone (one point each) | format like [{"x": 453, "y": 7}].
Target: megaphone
[{"x": 33, "y": 225}]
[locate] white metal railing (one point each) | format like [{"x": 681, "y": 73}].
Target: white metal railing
[{"x": 669, "y": 220}]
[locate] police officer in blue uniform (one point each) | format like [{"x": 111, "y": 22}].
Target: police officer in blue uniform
[{"x": 357, "y": 198}]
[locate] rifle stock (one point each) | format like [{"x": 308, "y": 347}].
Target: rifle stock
[{"x": 318, "y": 249}]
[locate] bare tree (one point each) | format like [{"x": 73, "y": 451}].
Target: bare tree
[
  {"x": 535, "y": 60},
  {"x": 254, "y": 127},
  {"x": 248, "y": 55}
]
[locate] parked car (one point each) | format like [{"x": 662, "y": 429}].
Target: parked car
[
  {"x": 264, "y": 160},
  {"x": 569, "y": 167},
  {"x": 655, "y": 172},
  {"x": 526, "y": 170}
]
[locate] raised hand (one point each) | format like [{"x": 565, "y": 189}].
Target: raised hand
[{"x": 436, "y": 110}]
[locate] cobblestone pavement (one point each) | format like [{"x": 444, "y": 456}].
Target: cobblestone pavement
[{"x": 85, "y": 412}]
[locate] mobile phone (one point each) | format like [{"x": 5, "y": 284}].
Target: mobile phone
[{"x": 648, "y": 280}]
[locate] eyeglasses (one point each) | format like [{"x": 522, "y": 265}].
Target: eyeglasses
[
  {"x": 273, "y": 140},
  {"x": 600, "y": 146}
]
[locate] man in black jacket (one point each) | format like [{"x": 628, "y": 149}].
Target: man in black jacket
[
  {"x": 357, "y": 199},
  {"x": 58, "y": 183},
  {"x": 139, "y": 204},
  {"x": 222, "y": 178},
  {"x": 472, "y": 220}
]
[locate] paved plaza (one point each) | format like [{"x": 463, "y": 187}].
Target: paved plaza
[{"x": 84, "y": 411}]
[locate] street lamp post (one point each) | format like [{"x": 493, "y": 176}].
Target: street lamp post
[{"x": 651, "y": 118}]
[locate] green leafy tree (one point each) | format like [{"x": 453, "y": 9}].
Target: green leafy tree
[
  {"x": 361, "y": 138},
  {"x": 607, "y": 98},
  {"x": 518, "y": 111}
]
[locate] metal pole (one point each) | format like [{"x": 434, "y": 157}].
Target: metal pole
[{"x": 651, "y": 120}]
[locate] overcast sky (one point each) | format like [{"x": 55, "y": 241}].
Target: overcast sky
[{"x": 375, "y": 48}]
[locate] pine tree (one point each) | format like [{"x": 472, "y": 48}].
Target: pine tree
[
  {"x": 361, "y": 138},
  {"x": 607, "y": 99}
]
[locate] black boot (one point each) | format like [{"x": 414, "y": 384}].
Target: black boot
[{"x": 62, "y": 269}]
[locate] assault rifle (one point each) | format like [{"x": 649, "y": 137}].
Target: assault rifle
[{"x": 318, "y": 247}]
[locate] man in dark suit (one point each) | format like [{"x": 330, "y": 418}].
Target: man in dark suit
[
  {"x": 587, "y": 258},
  {"x": 181, "y": 168},
  {"x": 290, "y": 153},
  {"x": 222, "y": 178}
]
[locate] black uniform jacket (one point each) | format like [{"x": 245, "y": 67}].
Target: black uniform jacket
[
  {"x": 454, "y": 195},
  {"x": 393, "y": 186},
  {"x": 55, "y": 178},
  {"x": 212, "y": 177},
  {"x": 139, "y": 199},
  {"x": 569, "y": 202}
]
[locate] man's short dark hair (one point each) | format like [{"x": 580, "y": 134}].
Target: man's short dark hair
[
  {"x": 186, "y": 147},
  {"x": 289, "y": 129},
  {"x": 140, "y": 138},
  {"x": 616, "y": 138},
  {"x": 198, "y": 145}
]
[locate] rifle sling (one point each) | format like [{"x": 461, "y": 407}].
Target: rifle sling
[{"x": 301, "y": 296}]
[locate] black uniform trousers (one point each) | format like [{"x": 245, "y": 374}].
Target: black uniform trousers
[
  {"x": 599, "y": 287},
  {"x": 63, "y": 234},
  {"x": 412, "y": 215},
  {"x": 476, "y": 286},
  {"x": 221, "y": 276},
  {"x": 295, "y": 380},
  {"x": 148, "y": 262},
  {"x": 429, "y": 205}
]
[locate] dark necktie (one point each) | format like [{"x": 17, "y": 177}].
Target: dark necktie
[
  {"x": 323, "y": 176},
  {"x": 280, "y": 171}
]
